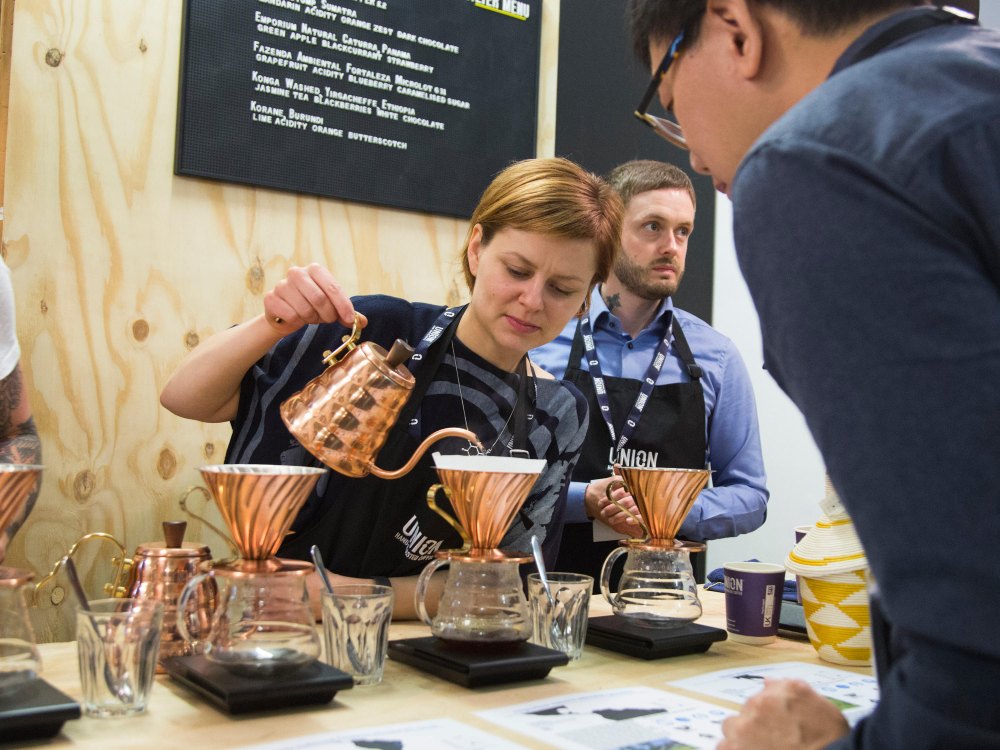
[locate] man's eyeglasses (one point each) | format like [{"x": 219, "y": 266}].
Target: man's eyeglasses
[{"x": 665, "y": 128}]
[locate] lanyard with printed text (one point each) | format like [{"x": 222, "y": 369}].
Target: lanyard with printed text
[
  {"x": 523, "y": 406},
  {"x": 416, "y": 360},
  {"x": 597, "y": 376}
]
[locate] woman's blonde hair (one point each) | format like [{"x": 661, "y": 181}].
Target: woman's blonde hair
[{"x": 554, "y": 197}]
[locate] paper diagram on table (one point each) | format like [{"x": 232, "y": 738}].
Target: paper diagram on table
[
  {"x": 630, "y": 718},
  {"x": 856, "y": 695},
  {"x": 436, "y": 734}
]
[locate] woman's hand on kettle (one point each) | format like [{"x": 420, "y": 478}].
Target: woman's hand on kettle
[{"x": 307, "y": 295}]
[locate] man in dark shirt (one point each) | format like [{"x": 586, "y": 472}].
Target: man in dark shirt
[{"x": 858, "y": 140}]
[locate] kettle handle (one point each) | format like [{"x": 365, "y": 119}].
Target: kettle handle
[
  {"x": 606, "y": 574},
  {"x": 431, "y": 494},
  {"x": 117, "y": 587},
  {"x": 614, "y": 485},
  {"x": 350, "y": 342}
]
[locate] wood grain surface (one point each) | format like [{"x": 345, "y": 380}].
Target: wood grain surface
[{"x": 120, "y": 267}]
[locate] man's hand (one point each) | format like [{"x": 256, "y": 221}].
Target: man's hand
[
  {"x": 598, "y": 506},
  {"x": 785, "y": 714}
]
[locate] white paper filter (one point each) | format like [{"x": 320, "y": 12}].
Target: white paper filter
[{"x": 506, "y": 464}]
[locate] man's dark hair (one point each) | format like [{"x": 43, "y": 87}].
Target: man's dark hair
[
  {"x": 643, "y": 175},
  {"x": 664, "y": 19}
]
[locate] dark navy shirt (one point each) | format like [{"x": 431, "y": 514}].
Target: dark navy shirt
[{"x": 867, "y": 225}]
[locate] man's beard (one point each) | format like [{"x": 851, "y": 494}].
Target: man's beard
[{"x": 636, "y": 280}]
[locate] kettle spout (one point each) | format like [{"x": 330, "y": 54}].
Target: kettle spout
[{"x": 459, "y": 432}]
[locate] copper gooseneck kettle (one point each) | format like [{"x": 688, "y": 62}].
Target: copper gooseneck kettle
[{"x": 344, "y": 415}]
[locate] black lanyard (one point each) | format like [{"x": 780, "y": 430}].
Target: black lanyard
[
  {"x": 649, "y": 380},
  {"x": 522, "y": 416}
]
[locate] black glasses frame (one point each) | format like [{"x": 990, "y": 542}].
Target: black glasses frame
[{"x": 666, "y": 129}]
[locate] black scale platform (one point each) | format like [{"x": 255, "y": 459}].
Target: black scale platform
[
  {"x": 36, "y": 711},
  {"x": 615, "y": 633},
  {"x": 476, "y": 666},
  {"x": 312, "y": 684}
]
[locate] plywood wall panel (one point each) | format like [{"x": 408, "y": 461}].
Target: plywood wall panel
[{"x": 120, "y": 267}]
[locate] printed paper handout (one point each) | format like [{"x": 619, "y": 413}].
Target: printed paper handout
[
  {"x": 628, "y": 719},
  {"x": 854, "y": 694},
  {"x": 422, "y": 735}
]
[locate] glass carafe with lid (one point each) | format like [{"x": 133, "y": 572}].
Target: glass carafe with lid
[
  {"x": 483, "y": 598},
  {"x": 657, "y": 587},
  {"x": 261, "y": 623}
]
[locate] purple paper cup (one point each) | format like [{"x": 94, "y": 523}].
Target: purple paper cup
[{"x": 753, "y": 600}]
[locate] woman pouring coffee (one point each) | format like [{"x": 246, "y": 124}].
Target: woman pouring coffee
[{"x": 544, "y": 233}]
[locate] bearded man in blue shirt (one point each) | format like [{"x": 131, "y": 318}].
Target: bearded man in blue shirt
[{"x": 665, "y": 389}]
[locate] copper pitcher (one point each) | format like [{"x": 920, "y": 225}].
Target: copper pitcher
[
  {"x": 160, "y": 571},
  {"x": 344, "y": 415}
]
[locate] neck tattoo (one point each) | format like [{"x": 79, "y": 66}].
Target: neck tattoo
[
  {"x": 474, "y": 450},
  {"x": 613, "y": 301}
]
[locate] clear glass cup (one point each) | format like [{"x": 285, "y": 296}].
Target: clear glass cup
[
  {"x": 117, "y": 644},
  {"x": 356, "y": 629},
  {"x": 562, "y": 623}
]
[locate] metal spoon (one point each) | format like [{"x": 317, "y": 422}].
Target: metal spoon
[
  {"x": 536, "y": 550},
  {"x": 122, "y": 690},
  {"x": 555, "y": 630},
  {"x": 352, "y": 652},
  {"x": 317, "y": 559}
]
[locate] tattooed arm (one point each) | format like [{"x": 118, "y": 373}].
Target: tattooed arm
[{"x": 19, "y": 442}]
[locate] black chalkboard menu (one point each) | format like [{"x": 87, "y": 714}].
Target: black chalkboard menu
[{"x": 414, "y": 104}]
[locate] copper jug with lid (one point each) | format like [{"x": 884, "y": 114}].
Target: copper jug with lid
[
  {"x": 160, "y": 571},
  {"x": 343, "y": 416}
]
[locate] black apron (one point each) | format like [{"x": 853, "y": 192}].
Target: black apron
[
  {"x": 670, "y": 434},
  {"x": 352, "y": 532}
]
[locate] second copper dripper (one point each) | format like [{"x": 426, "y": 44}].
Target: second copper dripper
[
  {"x": 664, "y": 498},
  {"x": 259, "y": 502}
]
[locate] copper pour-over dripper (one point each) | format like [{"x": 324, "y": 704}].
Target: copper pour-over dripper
[
  {"x": 343, "y": 415},
  {"x": 17, "y": 482},
  {"x": 664, "y": 497},
  {"x": 485, "y": 492},
  {"x": 258, "y": 502}
]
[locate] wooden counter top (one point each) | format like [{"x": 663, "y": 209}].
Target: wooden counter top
[{"x": 177, "y": 718}]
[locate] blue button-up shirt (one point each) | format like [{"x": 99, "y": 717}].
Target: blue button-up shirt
[{"x": 736, "y": 503}]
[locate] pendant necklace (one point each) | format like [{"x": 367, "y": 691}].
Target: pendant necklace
[{"x": 472, "y": 450}]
